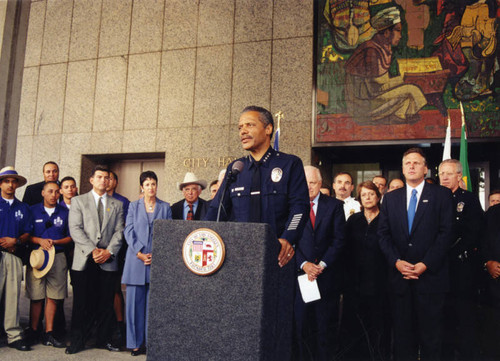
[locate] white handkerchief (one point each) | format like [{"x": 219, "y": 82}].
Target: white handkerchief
[{"x": 308, "y": 289}]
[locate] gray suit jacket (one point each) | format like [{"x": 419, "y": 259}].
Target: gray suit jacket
[{"x": 84, "y": 229}]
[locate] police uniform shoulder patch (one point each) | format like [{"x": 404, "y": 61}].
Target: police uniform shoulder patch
[
  {"x": 276, "y": 174},
  {"x": 203, "y": 251}
]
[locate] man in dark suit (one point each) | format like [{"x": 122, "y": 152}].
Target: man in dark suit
[
  {"x": 33, "y": 192},
  {"x": 96, "y": 226},
  {"x": 317, "y": 256},
  {"x": 415, "y": 232},
  {"x": 192, "y": 207}
]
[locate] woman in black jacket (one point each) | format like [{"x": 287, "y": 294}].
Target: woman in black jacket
[{"x": 366, "y": 314}]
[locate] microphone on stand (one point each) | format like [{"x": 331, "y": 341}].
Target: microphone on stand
[{"x": 230, "y": 177}]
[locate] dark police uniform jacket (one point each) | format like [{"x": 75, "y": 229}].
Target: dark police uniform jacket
[
  {"x": 468, "y": 225},
  {"x": 284, "y": 195}
]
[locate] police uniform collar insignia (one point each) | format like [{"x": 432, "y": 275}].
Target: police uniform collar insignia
[{"x": 266, "y": 157}]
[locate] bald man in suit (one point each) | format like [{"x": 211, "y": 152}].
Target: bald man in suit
[{"x": 318, "y": 252}]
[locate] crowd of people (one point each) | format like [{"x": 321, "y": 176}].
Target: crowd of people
[{"x": 409, "y": 270}]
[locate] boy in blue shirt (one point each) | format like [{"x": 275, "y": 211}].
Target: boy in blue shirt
[
  {"x": 15, "y": 226},
  {"x": 49, "y": 229}
]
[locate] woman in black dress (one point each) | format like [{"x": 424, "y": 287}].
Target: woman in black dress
[{"x": 366, "y": 315}]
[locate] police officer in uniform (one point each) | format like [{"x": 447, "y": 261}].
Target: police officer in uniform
[
  {"x": 270, "y": 188},
  {"x": 461, "y": 305}
]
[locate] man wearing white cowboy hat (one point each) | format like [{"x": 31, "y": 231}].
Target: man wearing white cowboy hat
[
  {"x": 192, "y": 207},
  {"x": 15, "y": 226},
  {"x": 48, "y": 282}
]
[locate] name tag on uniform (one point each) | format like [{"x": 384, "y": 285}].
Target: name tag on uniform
[
  {"x": 238, "y": 189},
  {"x": 39, "y": 221},
  {"x": 425, "y": 200}
]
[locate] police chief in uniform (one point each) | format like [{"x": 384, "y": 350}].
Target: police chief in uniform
[
  {"x": 270, "y": 188},
  {"x": 460, "y": 334}
]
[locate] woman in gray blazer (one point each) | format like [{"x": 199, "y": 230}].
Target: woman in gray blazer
[{"x": 139, "y": 236}]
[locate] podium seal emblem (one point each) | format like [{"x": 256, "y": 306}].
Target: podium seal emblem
[{"x": 203, "y": 251}]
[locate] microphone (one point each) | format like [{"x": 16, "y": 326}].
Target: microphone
[
  {"x": 236, "y": 169},
  {"x": 230, "y": 177}
]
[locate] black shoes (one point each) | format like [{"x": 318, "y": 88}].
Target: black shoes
[
  {"x": 31, "y": 336},
  {"x": 70, "y": 350},
  {"x": 110, "y": 347},
  {"x": 50, "y": 340},
  {"x": 20, "y": 345},
  {"x": 140, "y": 351}
]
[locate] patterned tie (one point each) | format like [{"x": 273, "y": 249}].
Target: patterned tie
[
  {"x": 312, "y": 216},
  {"x": 411, "y": 209},
  {"x": 189, "y": 216},
  {"x": 100, "y": 212}
]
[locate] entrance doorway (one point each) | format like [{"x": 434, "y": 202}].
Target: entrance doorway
[
  {"x": 129, "y": 171},
  {"x": 128, "y": 167}
]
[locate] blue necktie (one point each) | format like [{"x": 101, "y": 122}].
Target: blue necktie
[{"x": 411, "y": 209}]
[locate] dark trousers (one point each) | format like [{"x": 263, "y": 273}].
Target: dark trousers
[
  {"x": 418, "y": 324},
  {"x": 93, "y": 295},
  {"x": 316, "y": 327},
  {"x": 460, "y": 336},
  {"x": 490, "y": 321},
  {"x": 365, "y": 327}
]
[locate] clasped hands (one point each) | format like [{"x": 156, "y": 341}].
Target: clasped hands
[
  {"x": 8, "y": 243},
  {"x": 410, "y": 271},
  {"x": 145, "y": 257},
  {"x": 100, "y": 255},
  {"x": 493, "y": 268},
  {"x": 312, "y": 270}
]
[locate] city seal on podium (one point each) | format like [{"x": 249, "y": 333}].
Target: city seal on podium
[{"x": 203, "y": 251}]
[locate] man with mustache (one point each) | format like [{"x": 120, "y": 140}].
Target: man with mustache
[
  {"x": 270, "y": 188},
  {"x": 343, "y": 187}
]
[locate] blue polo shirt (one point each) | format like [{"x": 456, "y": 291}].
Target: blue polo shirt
[
  {"x": 15, "y": 219},
  {"x": 52, "y": 227}
]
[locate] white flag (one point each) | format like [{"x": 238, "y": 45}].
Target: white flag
[{"x": 447, "y": 142}]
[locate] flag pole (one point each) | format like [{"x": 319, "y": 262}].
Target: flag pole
[
  {"x": 447, "y": 140},
  {"x": 464, "y": 153},
  {"x": 279, "y": 115}
]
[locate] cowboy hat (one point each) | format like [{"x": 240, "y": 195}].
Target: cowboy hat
[
  {"x": 9, "y": 172},
  {"x": 190, "y": 178},
  {"x": 42, "y": 261}
]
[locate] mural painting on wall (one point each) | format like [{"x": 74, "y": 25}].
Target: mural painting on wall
[{"x": 394, "y": 70}]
